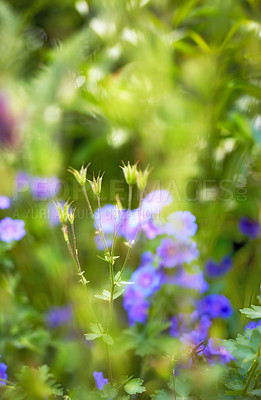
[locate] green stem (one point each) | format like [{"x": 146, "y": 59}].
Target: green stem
[
  {"x": 75, "y": 248},
  {"x": 130, "y": 198},
  {"x": 174, "y": 385},
  {"x": 93, "y": 219},
  {"x": 108, "y": 358},
  {"x": 125, "y": 262},
  {"x": 253, "y": 369},
  {"x": 100, "y": 222}
]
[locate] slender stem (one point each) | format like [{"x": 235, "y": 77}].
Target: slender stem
[
  {"x": 93, "y": 218},
  {"x": 108, "y": 358},
  {"x": 111, "y": 297},
  {"x": 130, "y": 197},
  {"x": 100, "y": 222},
  {"x": 174, "y": 385},
  {"x": 139, "y": 228},
  {"x": 253, "y": 369},
  {"x": 125, "y": 261},
  {"x": 105, "y": 247},
  {"x": 75, "y": 248},
  {"x": 9, "y": 383}
]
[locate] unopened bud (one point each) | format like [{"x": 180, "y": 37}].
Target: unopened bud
[
  {"x": 70, "y": 216},
  {"x": 80, "y": 176},
  {"x": 129, "y": 172},
  {"x": 142, "y": 178},
  {"x": 63, "y": 211},
  {"x": 96, "y": 184}
]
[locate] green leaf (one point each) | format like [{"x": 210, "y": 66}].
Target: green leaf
[
  {"x": 254, "y": 312},
  {"x": 107, "y": 339},
  {"x": 96, "y": 328},
  {"x": 118, "y": 294},
  {"x": 92, "y": 336},
  {"x": 134, "y": 386},
  {"x": 162, "y": 395},
  {"x": 255, "y": 339}
]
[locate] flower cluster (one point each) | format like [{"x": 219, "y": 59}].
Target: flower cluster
[{"x": 169, "y": 266}]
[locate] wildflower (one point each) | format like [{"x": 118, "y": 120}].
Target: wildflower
[
  {"x": 44, "y": 188},
  {"x": 174, "y": 327},
  {"x": 253, "y": 325},
  {"x": 214, "y": 269},
  {"x": 80, "y": 176},
  {"x": 136, "y": 305},
  {"x": 3, "y": 374},
  {"x": 130, "y": 173},
  {"x": 175, "y": 253},
  {"x": 215, "y": 305},
  {"x": 195, "y": 336},
  {"x": 249, "y": 227},
  {"x": 58, "y": 316},
  {"x": 142, "y": 178},
  {"x": 147, "y": 279},
  {"x": 181, "y": 225},
  {"x": 4, "y": 202},
  {"x": 96, "y": 184},
  {"x": 100, "y": 381},
  {"x": 155, "y": 201},
  {"x": 11, "y": 229},
  {"x": 217, "y": 353},
  {"x": 194, "y": 281},
  {"x": 146, "y": 258}
]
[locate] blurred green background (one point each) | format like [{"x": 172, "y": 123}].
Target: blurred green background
[{"x": 173, "y": 84}]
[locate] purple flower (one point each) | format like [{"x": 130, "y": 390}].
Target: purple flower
[
  {"x": 155, "y": 201},
  {"x": 147, "y": 279},
  {"x": 194, "y": 337},
  {"x": 100, "y": 381},
  {"x": 11, "y": 229},
  {"x": 175, "y": 253},
  {"x": 194, "y": 281},
  {"x": 181, "y": 224},
  {"x": 249, "y": 227},
  {"x": 253, "y": 325},
  {"x": 136, "y": 305},
  {"x": 146, "y": 258},
  {"x": 4, "y": 202},
  {"x": 215, "y": 305},
  {"x": 58, "y": 316},
  {"x": 174, "y": 327},
  {"x": 217, "y": 353},
  {"x": 214, "y": 270},
  {"x": 3, "y": 374},
  {"x": 110, "y": 219}
]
